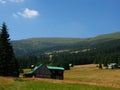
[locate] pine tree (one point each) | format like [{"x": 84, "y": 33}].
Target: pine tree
[{"x": 8, "y": 62}]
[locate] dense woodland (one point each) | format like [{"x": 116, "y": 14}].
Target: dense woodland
[
  {"x": 101, "y": 53},
  {"x": 37, "y": 46},
  {"x": 103, "y": 49}
]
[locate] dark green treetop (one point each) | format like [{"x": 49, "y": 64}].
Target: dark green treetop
[{"x": 8, "y": 62}]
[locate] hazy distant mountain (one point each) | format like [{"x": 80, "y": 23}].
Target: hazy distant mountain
[{"x": 40, "y": 45}]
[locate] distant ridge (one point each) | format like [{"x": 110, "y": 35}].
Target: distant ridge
[
  {"x": 40, "y": 45},
  {"x": 115, "y": 35}
]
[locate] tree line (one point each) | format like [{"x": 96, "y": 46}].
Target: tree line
[
  {"x": 8, "y": 62},
  {"x": 102, "y": 53}
]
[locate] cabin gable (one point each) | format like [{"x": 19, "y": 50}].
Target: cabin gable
[{"x": 42, "y": 72}]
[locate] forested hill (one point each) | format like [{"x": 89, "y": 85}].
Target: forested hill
[{"x": 36, "y": 46}]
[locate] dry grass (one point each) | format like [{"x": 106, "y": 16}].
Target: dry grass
[
  {"x": 90, "y": 74},
  {"x": 82, "y": 74},
  {"x": 6, "y": 80}
]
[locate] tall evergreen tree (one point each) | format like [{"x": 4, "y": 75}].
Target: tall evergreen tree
[{"x": 8, "y": 62}]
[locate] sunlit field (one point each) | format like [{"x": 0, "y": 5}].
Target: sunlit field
[
  {"x": 84, "y": 77},
  {"x": 90, "y": 74}
]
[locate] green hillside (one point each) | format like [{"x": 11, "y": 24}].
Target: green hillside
[
  {"x": 41, "y": 45},
  {"x": 115, "y": 35}
]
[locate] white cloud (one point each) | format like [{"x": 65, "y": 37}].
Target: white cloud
[
  {"x": 3, "y": 1},
  {"x": 27, "y": 13},
  {"x": 16, "y": 1},
  {"x": 13, "y": 1},
  {"x": 15, "y": 15}
]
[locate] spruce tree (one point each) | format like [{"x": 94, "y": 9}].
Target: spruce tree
[{"x": 8, "y": 62}]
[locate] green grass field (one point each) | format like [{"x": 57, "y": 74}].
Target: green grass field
[
  {"x": 38, "y": 85},
  {"x": 84, "y": 77}
]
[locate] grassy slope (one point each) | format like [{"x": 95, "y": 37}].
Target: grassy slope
[
  {"x": 35, "y": 45},
  {"x": 115, "y": 35},
  {"x": 84, "y": 77},
  {"x": 37, "y": 85},
  {"x": 5, "y": 81},
  {"x": 40, "y": 41},
  {"x": 90, "y": 74}
]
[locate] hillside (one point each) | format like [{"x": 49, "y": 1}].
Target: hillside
[
  {"x": 41, "y": 45},
  {"x": 110, "y": 36}
]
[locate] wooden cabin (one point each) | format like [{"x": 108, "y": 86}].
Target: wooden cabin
[
  {"x": 57, "y": 72},
  {"x": 43, "y": 71}
]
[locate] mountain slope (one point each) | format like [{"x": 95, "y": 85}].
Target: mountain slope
[
  {"x": 115, "y": 35},
  {"x": 41, "y": 45}
]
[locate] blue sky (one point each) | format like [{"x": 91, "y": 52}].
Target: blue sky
[{"x": 60, "y": 18}]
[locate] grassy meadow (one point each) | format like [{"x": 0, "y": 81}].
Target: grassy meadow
[
  {"x": 84, "y": 77},
  {"x": 90, "y": 74}
]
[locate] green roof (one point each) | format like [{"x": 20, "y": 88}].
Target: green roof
[
  {"x": 57, "y": 68},
  {"x": 49, "y": 67},
  {"x": 31, "y": 72}
]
